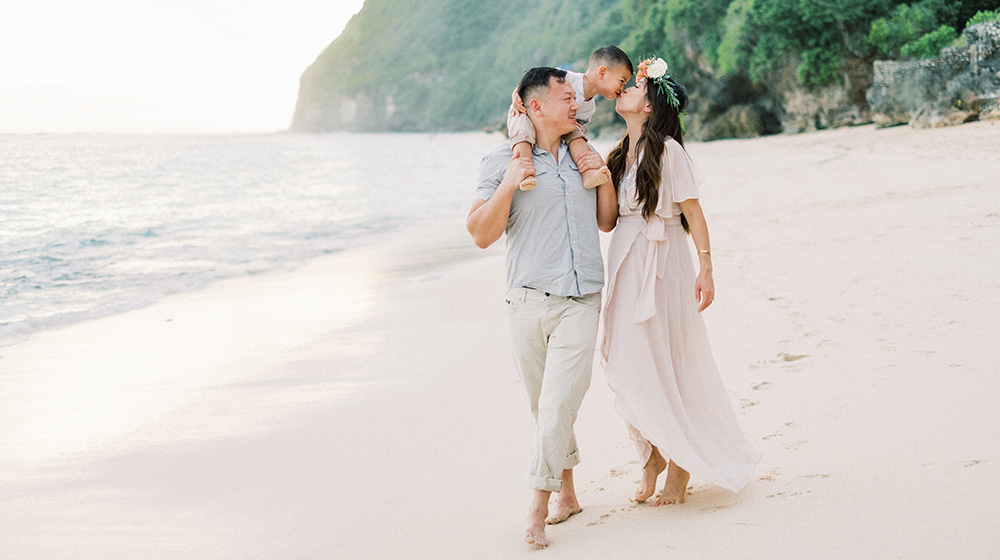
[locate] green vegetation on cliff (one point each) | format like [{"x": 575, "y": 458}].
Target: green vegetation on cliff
[
  {"x": 451, "y": 64},
  {"x": 444, "y": 64}
]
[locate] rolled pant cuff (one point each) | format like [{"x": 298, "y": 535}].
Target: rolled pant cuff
[
  {"x": 553, "y": 484},
  {"x": 542, "y": 483}
]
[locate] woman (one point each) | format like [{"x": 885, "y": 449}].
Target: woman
[{"x": 656, "y": 352}]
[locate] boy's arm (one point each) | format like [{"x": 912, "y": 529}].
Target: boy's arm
[{"x": 517, "y": 103}]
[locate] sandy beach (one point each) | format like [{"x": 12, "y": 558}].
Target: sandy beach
[{"x": 365, "y": 405}]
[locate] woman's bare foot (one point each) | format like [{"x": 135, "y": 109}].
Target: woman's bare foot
[
  {"x": 675, "y": 487},
  {"x": 647, "y": 486},
  {"x": 594, "y": 178}
]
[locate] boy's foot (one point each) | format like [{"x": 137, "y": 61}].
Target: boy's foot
[
  {"x": 594, "y": 178},
  {"x": 528, "y": 183}
]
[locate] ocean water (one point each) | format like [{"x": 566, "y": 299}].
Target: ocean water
[{"x": 92, "y": 225}]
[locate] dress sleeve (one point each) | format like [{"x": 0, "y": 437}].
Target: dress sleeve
[{"x": 677, "y": 178}]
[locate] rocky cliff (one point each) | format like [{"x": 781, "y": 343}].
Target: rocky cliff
[{"x": 960, "y": 85}]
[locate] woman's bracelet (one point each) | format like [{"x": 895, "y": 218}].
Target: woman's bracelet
[{"x": 704, "y": 252}]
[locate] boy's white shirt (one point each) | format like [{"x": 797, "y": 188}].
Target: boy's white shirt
[{"x": 587, "y": 108}]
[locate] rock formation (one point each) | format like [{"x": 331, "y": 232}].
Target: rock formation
[{"x": 960, "y": 85}]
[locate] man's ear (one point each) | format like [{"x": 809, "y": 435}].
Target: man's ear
[
  {"x": 535, "y": 105},
  {"x": 602, "y": 71}
]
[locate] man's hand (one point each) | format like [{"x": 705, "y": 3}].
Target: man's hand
[
  {"x": 487, "y": 219},
  {"x": 518, "y": 169},
  {"x": 590, "y": 161}
]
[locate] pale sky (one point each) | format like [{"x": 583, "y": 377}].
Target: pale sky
[{"x": 183, "y": 66}]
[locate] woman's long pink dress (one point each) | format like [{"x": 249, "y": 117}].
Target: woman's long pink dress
[{"x": 657, "y": 357}]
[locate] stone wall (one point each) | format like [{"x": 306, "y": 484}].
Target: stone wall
[{"x": 960, "y": 85}]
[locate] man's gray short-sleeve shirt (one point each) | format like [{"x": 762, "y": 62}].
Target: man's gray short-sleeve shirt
[{"x": 552, "y": 237}]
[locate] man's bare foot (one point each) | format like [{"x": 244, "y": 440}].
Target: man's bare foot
[
  {"x": 535, "y": 533},
  {"x": 528, "y": 183},
  {"x": 675, "y": 488},
  {"x": 594, "y": 178},
  {"x": 647, "y": 486},
  {"x": 563, "y": 510}
]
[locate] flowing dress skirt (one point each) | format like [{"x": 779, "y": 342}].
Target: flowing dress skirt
[{"x": 658, "y": 360}]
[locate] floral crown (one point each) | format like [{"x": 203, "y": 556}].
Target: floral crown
[{"x": 655, "y": 69}]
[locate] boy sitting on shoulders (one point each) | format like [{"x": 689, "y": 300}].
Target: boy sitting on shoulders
[{"x": 607, "y": 73}]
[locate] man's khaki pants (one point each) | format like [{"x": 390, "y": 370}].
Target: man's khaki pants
[{"x": 553, "y": 340}]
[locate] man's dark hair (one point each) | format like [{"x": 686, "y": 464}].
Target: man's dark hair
[
  {"x": 612, "y": 56},
  {"x": 536, "y": 80}
]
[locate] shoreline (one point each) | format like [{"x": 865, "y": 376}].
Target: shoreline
[{"x": 365, "y": 405}]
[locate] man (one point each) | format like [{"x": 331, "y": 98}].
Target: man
[{"x": 554, "y": 280}]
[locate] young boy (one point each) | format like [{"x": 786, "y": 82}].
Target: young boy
[{"x": 607, "y": 72}]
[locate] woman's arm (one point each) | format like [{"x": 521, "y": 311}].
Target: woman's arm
[
  {"x": 607, "y": 207},
  {"x": 704, "y": 286}
]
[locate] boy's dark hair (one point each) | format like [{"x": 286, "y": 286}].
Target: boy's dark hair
[
  {"x": 537, "y": 79},
  {"x": 612, "y": 56}
]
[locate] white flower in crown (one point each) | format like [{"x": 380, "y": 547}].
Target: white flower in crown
[{"x": 656, "y": 69}]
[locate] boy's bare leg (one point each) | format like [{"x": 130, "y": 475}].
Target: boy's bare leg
[
  {"x": 522, "y": 150},
  {"x": 675, "y": 488},
  {"x": 539, "y": 510},
  {"x": 591, "y": 177},
  {"x": 566, "y": 502},
  {"x": 654, "y": 466}
]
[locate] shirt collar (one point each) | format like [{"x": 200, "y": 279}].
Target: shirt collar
[{"x": 563, "y": 148}]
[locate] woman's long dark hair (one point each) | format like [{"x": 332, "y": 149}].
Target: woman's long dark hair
[{"x": 663, "y": 122}]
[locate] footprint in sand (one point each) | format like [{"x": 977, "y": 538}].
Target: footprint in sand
[
  {"x": 791, "y": 357},
  {"x": 789, "y": 494},
  {"x": 761, "y": 386},
  {"x": 601, "y": 519},
  {"x": 770, "y": 476}
]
